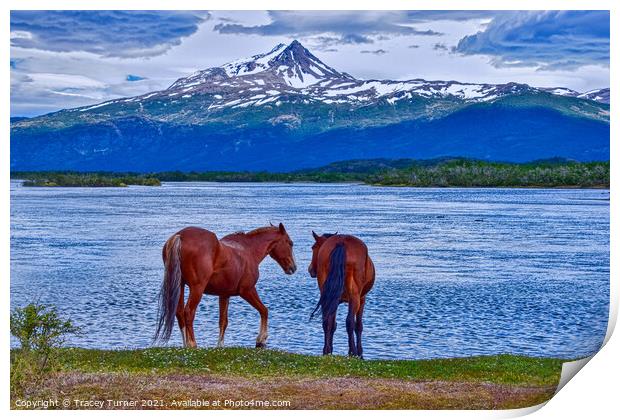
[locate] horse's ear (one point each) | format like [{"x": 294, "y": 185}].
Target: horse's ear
[
  {"x": 281, "y": 228},
  {"x": 270, "y": 224},
  {"x": 336, "y": 233},
  {"x": 316, "y": 237}
]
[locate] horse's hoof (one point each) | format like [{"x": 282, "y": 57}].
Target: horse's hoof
[{"x": 261, "y": 345}]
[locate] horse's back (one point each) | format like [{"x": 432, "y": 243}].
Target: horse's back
[
  {"x": 357, "y": 260},
  {"x": 355, "y": 243},
  {"x": 194, "y": 233},
  {"x": 354, "y": 246}
]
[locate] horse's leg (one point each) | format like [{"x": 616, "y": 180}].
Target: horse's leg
[
  {"x": 329, "y": 326},
  {"x": 223, "y": 319},
  {"x": 354, "y": 306},
  {"x": 252, "y": 298},
  {"x": 195, "y": 295},
  {"x": 181, "y": 316},
  {"x": 359, "y": 326}
]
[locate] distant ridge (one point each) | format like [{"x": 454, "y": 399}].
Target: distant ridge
[{"x": 286, "y": 109}]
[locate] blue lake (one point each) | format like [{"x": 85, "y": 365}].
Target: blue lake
[{"x": 460, "y": 272}]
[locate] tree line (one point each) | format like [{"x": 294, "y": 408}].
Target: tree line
[{"x": 446, "y": 173}]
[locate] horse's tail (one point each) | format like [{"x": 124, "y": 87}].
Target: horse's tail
[
  {"x": 170, "y": 289},
  {"x": 334, "y": 285}
]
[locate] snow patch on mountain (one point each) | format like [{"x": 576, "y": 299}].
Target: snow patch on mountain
[
  {"x": 599, "y": 95},
  {"x": 253, "y": 65}
]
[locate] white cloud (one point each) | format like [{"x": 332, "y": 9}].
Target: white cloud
[
  {"x": 56, "y": 80},
  {"x": 21, "y": 35}
]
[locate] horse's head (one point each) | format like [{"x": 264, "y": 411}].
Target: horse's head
[
  {"x": 282, "y": 251},
  {"x": 318, "y": 241}
]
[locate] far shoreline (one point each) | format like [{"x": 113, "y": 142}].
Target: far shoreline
[
  {"x": 445, "y": 172},
  {"x": 468, "y": 187}
]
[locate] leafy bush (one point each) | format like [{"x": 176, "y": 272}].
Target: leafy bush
[{"x": 40, "y": 331}]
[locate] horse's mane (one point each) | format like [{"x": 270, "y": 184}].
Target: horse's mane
[
  {"x": 261, "y": 230},
  {"x": 241, "y": 234}
]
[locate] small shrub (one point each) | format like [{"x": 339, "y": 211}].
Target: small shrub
[{"x": 40, "y": 331}]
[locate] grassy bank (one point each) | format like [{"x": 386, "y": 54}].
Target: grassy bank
[
  {"x": 444, "y": 172},
  {"x": 78, "y": 179},
  {"x": 171, "y": 375}
]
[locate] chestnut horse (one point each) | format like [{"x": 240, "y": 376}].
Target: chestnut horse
[
  {"x": 345, "y": 273},
  {"x": 226, "y": 267}
]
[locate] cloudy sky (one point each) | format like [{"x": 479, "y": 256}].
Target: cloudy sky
[{"x": 64, "y": 59}]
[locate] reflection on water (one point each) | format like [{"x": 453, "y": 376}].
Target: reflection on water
[{"x": 459, "y": 271}]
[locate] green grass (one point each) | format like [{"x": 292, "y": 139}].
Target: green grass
[
  {"x": 170, "y": 375},
  {"x": 260, "y": 363}
]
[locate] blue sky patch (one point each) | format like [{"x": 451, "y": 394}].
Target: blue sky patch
[{"x": 134, "y": 78}]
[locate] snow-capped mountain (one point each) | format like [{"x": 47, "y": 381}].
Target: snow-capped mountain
[
  {"x": 293, "y": 69},
  {"x": 286, "y": 109},
  {"x": 291, "y": 72},
  {"x": 598, "y": 95}
]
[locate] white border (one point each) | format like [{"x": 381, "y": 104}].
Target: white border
[{"x": 593, "y": 394}]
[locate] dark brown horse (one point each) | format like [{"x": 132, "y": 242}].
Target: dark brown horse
[
  {"x": 226, "y": 267},
  {"x": 345, "y": 273}
]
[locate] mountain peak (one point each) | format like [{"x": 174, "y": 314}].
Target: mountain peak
[
  {"x": 290, "y": 65},
  {"x": 300, "y": 68},
  {"x": 297, "y": 48}
]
